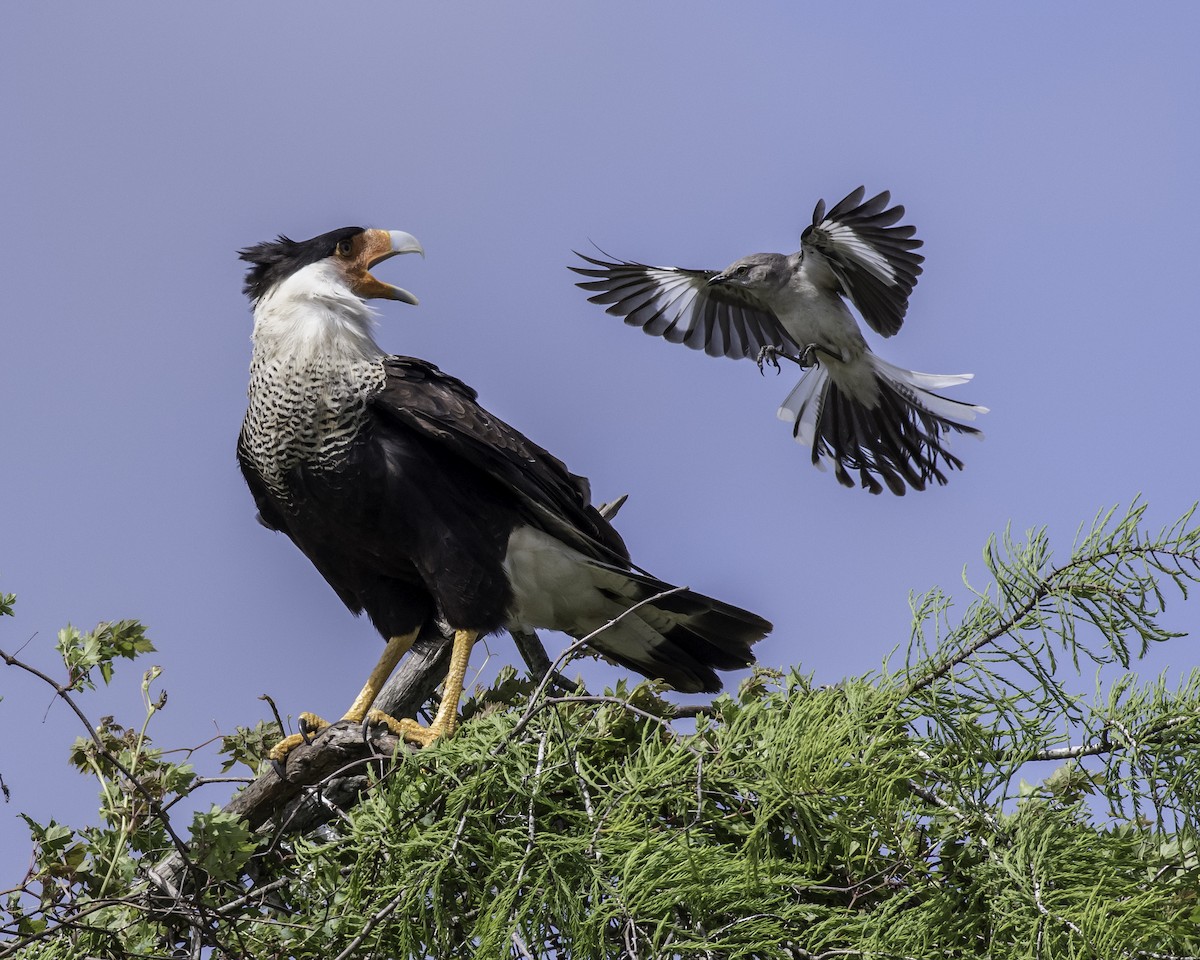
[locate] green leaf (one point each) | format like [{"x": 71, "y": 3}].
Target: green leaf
[
  {"x": 220, "y": 843},
  {"x": 84, "y": 652}
]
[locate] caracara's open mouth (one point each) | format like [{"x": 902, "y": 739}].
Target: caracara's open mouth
[{"x": 380, "y": 245}]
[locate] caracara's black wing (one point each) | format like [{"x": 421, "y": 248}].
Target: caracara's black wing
[
  {"x": 444, "y": 409},
  {"x": 680, "y": 306},
  {"x": 873, "y": 260},
  {"x": 310, "y": 541}
]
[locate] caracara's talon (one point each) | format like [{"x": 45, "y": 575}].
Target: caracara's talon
[
  {"x": 408, "y": 729},
  {"x": 285, "y": 746},
  {"x": 308, "y": 724},
  {"x": 422, "y": 736},
  {"x": 280, "y": 769},
  {"x": 311, "y": 722}
]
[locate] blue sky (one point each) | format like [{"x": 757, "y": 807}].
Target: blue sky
[{"x": 1047, "y": 155}]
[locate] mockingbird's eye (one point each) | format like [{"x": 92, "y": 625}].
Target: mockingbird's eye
[
  {"x": 741, "y": 271},
  {"x": 345, "y": 248}
]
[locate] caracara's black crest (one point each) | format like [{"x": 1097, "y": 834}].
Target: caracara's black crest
[{"x": 279, "y": 259}]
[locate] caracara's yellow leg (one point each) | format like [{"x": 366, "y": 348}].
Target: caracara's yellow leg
[
  {"x": 395, "y": 649},
  {"x": 446, "y": 720}
]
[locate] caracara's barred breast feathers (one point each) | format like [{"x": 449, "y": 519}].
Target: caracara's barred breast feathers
[{"x": 304, "y": 412}]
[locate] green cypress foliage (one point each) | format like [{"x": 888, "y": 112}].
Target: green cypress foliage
[{"x": 1008, "y": 787}]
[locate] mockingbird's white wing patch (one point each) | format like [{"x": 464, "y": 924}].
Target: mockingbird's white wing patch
[
  {"x": 873, "y": 261},
  {"x": 680, "y": 306}
]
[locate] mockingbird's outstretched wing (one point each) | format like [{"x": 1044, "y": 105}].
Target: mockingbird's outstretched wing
[
  {"x": 873, "y": 260},
  {"x": 680, "y": 306}
]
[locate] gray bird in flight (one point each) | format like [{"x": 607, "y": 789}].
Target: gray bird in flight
[{"x": 852, "y": 408}]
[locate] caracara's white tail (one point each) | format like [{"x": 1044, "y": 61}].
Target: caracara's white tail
[{"x": 674, "y": 634}]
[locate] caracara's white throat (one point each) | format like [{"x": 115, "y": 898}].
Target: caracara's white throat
[{"x": 313, "y": 313}]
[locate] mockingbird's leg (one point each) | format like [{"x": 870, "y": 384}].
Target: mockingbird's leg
[
  {"x": 771, "y": 354},
  {"x": 805, "y": 358}
]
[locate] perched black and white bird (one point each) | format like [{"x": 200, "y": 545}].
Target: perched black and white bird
[
  {"x": 855, "y": 410},
  {"x": 419, "y": 507}
]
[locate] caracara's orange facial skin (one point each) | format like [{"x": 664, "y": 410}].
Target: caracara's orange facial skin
[{"x": 365, "y": 250}]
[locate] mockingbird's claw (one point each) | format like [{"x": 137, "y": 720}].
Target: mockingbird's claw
[
  {"x": 808, "y": 356},
  {"x": 772, "y": 354},
  {"x": 768, "y": 354}
]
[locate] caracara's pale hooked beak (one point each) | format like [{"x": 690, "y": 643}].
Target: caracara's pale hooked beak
[{"x": 377, "y": 246}]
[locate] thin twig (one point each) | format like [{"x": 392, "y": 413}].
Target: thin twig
[
  {"x": 253, "y": 895},
  {"x": 1046, "y": 586},
  {"x": 1096, "y": 748},
  {"x": 570, "y": 652},
  {"x": 372, "y": 922},
  {"x": 618, "y": 702},
  {"x": 533, "y": 652},
  {"x": 181, "y": 848},
  {"x": 1041, "y": 907},
  {"x": 522, "y": 947}
]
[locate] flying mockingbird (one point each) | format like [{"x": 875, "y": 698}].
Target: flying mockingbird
[{"x": 854, "y": 410}]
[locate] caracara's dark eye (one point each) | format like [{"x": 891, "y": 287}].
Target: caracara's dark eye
[{"x": 345, "y": 248}]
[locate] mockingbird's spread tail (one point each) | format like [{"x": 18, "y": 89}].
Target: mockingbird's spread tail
[{"x": 853, "y": 409}]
